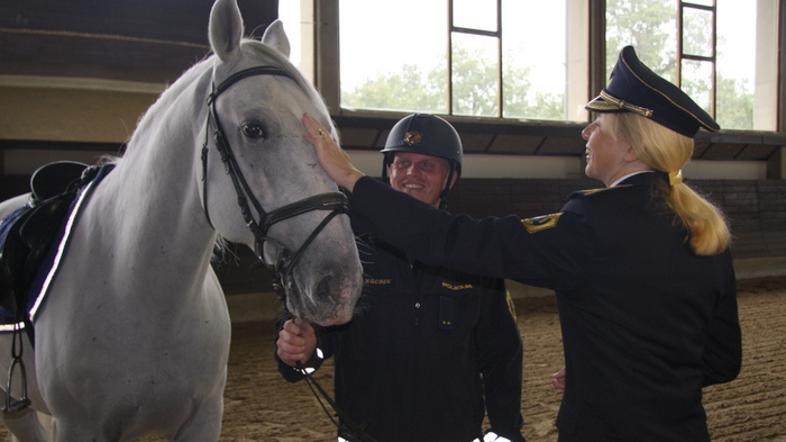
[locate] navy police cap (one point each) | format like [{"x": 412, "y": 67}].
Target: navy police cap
[{"x": 633, "y": 87}]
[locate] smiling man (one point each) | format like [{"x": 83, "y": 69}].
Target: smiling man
[
  {"x": 433, "y": 350},
  {"x": 424, "y": 168}
]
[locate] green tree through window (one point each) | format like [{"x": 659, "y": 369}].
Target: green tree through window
[{"x": 474, "y": 89}]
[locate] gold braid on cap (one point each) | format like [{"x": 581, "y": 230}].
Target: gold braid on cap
[
  {"x": 622, "y": 104},
  {"x": 675, "y": 178}
]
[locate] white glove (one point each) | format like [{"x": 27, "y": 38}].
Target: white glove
[{"x": 493, "y": 437}]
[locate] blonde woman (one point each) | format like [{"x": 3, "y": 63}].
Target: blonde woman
[{"x": 642, "y": 271}]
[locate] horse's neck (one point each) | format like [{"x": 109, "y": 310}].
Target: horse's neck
[{"x": 152, "y": 197}]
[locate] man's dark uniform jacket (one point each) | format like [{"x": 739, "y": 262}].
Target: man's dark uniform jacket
[
  {"x": 409, "y": 364},
  {"x": 645, "y": 322}
]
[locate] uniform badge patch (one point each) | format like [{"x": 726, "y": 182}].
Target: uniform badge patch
[
  {"x": 540, "y": 223},
  {"x": 380, "y": 281},
  {"x": 456, "y": 287}
]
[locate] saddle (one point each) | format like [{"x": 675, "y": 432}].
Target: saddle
[{"x": 27, "y": 234}]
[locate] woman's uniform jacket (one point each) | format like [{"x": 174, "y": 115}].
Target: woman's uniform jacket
[{"x": 645, "y": 322}]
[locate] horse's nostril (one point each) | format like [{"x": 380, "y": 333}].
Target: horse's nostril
[{"x": 325, "y": 287}]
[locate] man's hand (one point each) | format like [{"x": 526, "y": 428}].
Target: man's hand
[
  {"x": 558, "y": 379},
  {"x": 296, "y": 342}
]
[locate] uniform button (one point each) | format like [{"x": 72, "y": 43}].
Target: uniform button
[{"x": 417, "y": 305}]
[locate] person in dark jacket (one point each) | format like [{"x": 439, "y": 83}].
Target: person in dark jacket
[
  {"x": 642, "y": 270},
  {"x": 431, "y": 351}
]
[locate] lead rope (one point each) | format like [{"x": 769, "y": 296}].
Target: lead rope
[{"x": 345, "y": 425}]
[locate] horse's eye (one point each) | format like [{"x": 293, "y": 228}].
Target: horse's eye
[{"x": 252, "y": 130}]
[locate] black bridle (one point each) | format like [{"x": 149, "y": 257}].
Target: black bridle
[{"x": 335, "y": 202}]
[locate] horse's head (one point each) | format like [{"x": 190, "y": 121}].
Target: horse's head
[{"x": 263, "y": 184}]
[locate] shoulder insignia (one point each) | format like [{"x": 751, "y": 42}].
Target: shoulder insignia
[
  {"x": 456, "y": 287},
  {"x": 590, "y": 192},
  {"x": 540, "y": 223},
  {"x": 377, "y": 281}
]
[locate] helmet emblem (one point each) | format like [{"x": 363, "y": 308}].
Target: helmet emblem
[{"x": 412, "y": 137}]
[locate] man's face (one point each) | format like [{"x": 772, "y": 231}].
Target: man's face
[{"x": 421, "y": 176}]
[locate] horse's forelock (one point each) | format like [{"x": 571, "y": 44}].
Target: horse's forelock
[{"x": 281, "y": 61}]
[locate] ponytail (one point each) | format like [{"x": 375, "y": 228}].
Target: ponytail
[
  {"x": 709, "y": 233},
  {"x": 665, "y": 150}
]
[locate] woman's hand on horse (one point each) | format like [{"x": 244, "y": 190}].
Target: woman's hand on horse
[
  {"x": 296, "y": 342},
  {"x": 333, "y": 159}
]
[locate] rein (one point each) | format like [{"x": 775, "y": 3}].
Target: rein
[
  {"x": 334, "y": 202},
  {"x": 346, "y": 426}
]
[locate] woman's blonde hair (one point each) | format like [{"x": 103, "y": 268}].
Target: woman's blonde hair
[{"x": 667, "y": 151}]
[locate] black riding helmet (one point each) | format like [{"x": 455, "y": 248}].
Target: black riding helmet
[{"x": 428, "y": 135}]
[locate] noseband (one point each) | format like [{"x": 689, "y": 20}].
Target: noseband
[{"x": 335, "y": 202}]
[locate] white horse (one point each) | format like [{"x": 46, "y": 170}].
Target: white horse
[{"x": 133, "y": 338}]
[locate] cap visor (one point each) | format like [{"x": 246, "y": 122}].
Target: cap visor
[{"x": 598, "y": 104}]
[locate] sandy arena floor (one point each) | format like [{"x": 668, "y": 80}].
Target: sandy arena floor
[{"x": 260, "y": 406}]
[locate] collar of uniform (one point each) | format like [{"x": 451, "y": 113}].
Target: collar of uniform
[{"x": 625, "y": 177}]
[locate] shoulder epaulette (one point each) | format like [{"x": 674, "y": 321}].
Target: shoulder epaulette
[
  {"x": 540, "y": 223},
  {"x": 589, "y": 192}
]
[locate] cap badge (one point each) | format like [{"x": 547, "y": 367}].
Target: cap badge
[{"x": 412, "y": 137}]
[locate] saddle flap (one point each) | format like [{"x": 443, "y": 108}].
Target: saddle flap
[
  {"x": 13, "y": 253},
  {"x": 40, "y": 229},
  {"x": 27, "y": 235},
  {"x": 54, "y": 179}
]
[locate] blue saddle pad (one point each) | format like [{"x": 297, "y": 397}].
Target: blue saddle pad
[{"x": 49, "y": 265}]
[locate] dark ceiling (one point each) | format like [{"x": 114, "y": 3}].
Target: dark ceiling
[{"x": 137, "y": 40}]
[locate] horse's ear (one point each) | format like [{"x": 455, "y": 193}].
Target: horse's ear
[
  {"x": 276, "y": 38},
  {"x": 225, "y": 29}
]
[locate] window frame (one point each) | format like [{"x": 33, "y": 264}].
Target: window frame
[
  {"x": 712, "y": 59},
  {"x": 453, "y": 29}
]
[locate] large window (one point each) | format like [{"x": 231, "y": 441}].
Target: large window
[
  {"x": 747, "y": 72},
  {"x": 722, "y": 53},
  {"x": 528, "y": 59},
  {"x": 298, "y": 18},
  {"x": 393, "y": 55},
  {"x": 485, "y": 58}
]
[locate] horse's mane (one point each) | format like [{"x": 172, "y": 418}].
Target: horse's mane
[{"x": 167, "y": 97}]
